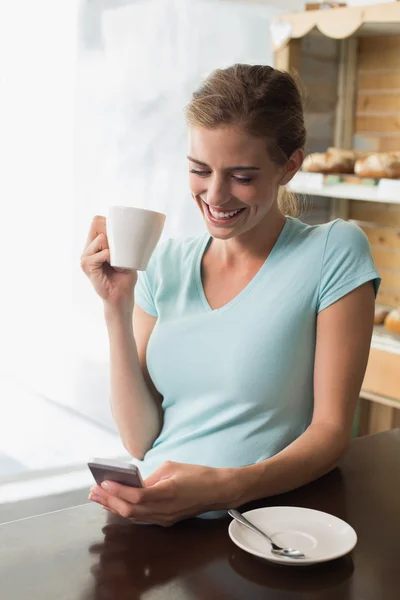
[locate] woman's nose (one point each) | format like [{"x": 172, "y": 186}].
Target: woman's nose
[{"x": 217, "y": 193}]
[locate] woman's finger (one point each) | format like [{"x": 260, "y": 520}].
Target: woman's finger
[
  {"x": 97, "y": 226},
  {"x": 163, "y": 491},
  {"x": 148, "y": 513},
  {"x": 94, "y": 261},
  {"x": 99, "y": 243}
]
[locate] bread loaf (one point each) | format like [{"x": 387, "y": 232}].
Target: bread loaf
[
  {"x": 392, "y": 321},
  {"x": 315, "y": 163},
  {"x": 334, "y": 160},
  {"x": 379, "y": 165}
]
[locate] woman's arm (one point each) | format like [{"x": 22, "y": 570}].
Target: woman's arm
[
  {"x": 135, "y": 402},
  {"x": 344, "y": 332}
]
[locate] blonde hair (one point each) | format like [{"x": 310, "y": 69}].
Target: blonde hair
[{"x": 261, "y": 100}]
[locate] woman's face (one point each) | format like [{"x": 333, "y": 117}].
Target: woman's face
[{"x": 233, "y": 179}]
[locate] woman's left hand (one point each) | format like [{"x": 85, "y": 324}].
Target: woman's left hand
[{"x": 173, "y": 492}]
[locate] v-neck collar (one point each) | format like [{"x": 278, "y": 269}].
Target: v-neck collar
[{"x": 260, "y": 273}]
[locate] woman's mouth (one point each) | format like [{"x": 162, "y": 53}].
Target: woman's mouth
[{"x": 222, "y": 217}]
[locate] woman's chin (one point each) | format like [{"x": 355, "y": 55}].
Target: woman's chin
[{"x": 220, "y": 233}]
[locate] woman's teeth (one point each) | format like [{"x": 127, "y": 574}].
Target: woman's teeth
[{"x": 223, "y": 215}]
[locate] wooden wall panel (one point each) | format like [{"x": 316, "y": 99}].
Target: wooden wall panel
[
  {"x": 383, "y": 237},
  {"x": 388, "y": 298},
  {"x": 386, "y": 258},
  {"x": 378, "y": 214},
  {"x": 383, "y": 123},
  {"x": 383, "y": 43},
  {"x": 377, "y": 122},
  {"x": 379, "y": 79},
  {"x": 369, "y": 102},
  {"x": 381, "y": 224},
  {"x": 373, "y": 59},
  {"x": 389, "y": 144},
  {"x": 383, "y": 374},
  {"x": 373, "y": 48},
  {"x": 390, "y": 279},
  {"x": 377, "y": 141}
]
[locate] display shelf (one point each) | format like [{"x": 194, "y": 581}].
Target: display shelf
[
  {"x": 338, "y": 23},
  {"x": 383, "y": 340},
  {"x": 357, "y": 50},
  {"x": 387, "y": 190}
]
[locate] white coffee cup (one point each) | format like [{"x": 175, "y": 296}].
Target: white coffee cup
[{"x": 133, "y": 234}]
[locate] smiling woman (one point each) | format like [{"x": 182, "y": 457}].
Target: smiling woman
[{"x": 239, "y": 377}]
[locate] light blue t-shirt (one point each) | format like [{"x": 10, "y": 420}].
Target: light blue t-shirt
[{"x": 237, "y": 382}]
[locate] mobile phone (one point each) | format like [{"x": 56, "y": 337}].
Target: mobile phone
[{"x": 112, "y": 470}]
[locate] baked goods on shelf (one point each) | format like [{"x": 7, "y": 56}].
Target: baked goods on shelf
[
  {"x": 382, "y": 165},
  {"x": 373, "y": 165},
  {"x": 381, "y": 312},
  {"x": 334, "y": 160},
  {"x": 392, "y": 321}
]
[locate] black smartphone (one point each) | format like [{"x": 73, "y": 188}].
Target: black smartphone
[{"x": 112, "y": 470}]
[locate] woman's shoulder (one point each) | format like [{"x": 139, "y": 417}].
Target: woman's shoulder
[
  {"x": 345, "y": 236},
  {"x": 333, "y": 233},
  {"x": 328, "y": 244}
]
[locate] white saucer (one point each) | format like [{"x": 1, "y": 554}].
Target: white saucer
[{"x": 320, "y": 536}]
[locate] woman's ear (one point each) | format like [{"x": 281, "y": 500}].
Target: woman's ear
[{"x": 293, "y": 165}]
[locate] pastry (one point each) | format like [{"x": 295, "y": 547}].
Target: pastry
[
  {"x": 334, "y": 160},
  {"x": 315, "y": 162},
  {"x": 379, "y": 165},
  {"x": 392, "y": 321}
]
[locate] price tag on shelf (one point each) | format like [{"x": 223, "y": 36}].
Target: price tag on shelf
[
  {"x": 389, "y": 190},
  {"x": 311, "y": 181}
]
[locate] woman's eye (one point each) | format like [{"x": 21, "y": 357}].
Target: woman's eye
[
  {"x": 242, "y": 180},
  {"x": 200, "y": 173}
]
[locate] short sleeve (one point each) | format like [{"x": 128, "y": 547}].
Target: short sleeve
[
  {"x": 145, "y": 288},
  {"x": 347, "y": 263}
]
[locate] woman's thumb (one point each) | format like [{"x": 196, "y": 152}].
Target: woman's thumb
[{"x": 163, "y": 472}]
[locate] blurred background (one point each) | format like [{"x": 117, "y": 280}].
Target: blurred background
[
  {"x": 91, "y": 95},
  {"x": 91, "y": 114}
]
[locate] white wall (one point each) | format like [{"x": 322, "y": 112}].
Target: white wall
[{"x": 37, "y": 84}]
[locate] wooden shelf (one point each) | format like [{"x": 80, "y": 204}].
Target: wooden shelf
[
  {"x": 383, "y": 340},
  {"x": 338, "y": 23},
  {"x": 382, "y": 377},
  {"x": 387, "y": 190},
  {"x": 356, "y": 49}
]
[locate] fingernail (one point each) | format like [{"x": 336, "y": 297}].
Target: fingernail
[{"x": 105, "y": 485}]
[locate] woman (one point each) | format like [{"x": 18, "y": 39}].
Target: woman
[{"x": 240, "y": 374}]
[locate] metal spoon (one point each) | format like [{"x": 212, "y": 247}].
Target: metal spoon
[{"x": 288, "y": 552}]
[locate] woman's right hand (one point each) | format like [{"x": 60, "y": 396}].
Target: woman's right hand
[{"x": 114, "y": 286}]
